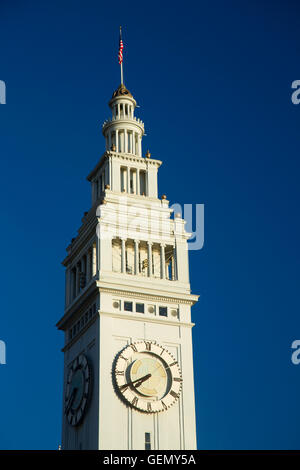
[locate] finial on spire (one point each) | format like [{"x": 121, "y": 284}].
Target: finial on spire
[{"x": 121, "y": 54}]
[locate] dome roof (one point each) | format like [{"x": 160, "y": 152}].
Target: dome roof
[{"x": 121, "y": 91}]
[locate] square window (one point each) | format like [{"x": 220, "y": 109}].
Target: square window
[
  {"x": 163, "y": 311},
  {"x": 128, "y": 306},
  {"x": 140, "y": 308}
]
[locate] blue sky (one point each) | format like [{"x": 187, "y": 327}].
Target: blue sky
[{"x": 213, "y": 81}]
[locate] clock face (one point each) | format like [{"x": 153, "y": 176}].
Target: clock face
[
  {"x": 77, "y": 390},
  {"x": 147, "y": 376}
]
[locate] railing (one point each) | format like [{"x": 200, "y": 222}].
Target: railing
[{"x": 113, "y": 119}]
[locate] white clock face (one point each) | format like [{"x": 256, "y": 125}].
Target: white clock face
[
  {"x": 148, "y": 377},
  {"x": 77, "y": 390}
]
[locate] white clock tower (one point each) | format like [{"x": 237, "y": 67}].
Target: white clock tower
[{"x": 128, "y": 359}]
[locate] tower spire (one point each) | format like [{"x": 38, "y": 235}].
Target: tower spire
[{"x": 121, "y": 55}]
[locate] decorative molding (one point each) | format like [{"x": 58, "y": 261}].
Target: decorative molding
[{"x": 148, "y": 296}]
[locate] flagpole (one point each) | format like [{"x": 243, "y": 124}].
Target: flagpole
[{"x": 122, "y": 58}]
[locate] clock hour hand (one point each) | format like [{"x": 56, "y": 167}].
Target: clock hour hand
[
  {"x": 136, "y": 382},
  {"x": 71, "y": 399}
]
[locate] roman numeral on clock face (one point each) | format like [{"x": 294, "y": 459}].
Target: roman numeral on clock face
[
  {"x": 174, "y": 394},
  {"x": 148, "y": 346},
  {"x": 135, "y": 401},
  {"x": 173, "y": 364},
  {"x": 149, "y": 408}
]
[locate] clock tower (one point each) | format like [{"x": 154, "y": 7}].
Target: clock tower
[{"x": 128, "y": 359}]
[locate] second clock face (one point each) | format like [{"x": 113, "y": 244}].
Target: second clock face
[
  {"x": 148, "y": 377},
  {"x": 77, "y": 390}
]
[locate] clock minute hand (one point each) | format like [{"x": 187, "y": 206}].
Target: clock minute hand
[{"x": 138, "y": 382}]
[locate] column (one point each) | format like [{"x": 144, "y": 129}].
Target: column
[
  {"x": 83, "y": 264},
  {"x": 140, "y": 145},
  {"x": 109, "y": 140},
  {"x": 121, "y": 149},
  {"x": 136, "y": 257},
  {"x": 110, "y": 173},
  {"x": 123, "y": 255},
  {"x": 149, "y": 259},
  {"x": 173, "y": 266},
  {"x": 125, "y": 141},
  {"x": 83, "y": 272},
  {"x": 162, "y": 262},
  {"x": 138, "y": 181},
  {"x": 94, "y": 260},
  {"x": 117, "y": 140},
  {"x": 131, "y": 142},
  {"x": 88, "y": 266}
]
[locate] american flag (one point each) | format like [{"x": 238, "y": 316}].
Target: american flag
[{"x": 121, "y": 49}]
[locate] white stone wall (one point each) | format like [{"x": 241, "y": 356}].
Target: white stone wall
[{"x": 122, "y": 427}]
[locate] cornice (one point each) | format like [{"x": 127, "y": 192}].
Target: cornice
[
  {"x": 134, "y": 158},
  {"x": 79, "y": 303},
  {"x": 172, "y": 297}
]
